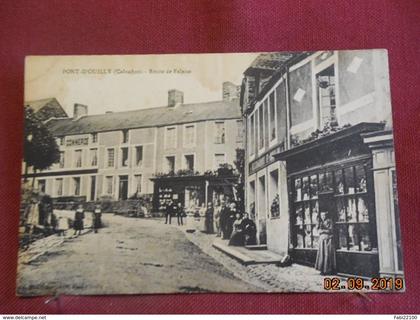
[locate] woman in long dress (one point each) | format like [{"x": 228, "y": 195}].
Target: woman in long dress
[
  {"x": 238, "y": 237},
  {"x": 325, "y": 258},
  {"x": 79, "y": 215}
]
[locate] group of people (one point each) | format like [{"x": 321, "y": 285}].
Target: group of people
[
  {"x": 235, "y": 226},
  {"x": 174, "y": 209},
  {"x": 79, "y": 216}
]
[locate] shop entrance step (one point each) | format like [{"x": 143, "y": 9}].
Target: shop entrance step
[{"x": 247, "y": 256}]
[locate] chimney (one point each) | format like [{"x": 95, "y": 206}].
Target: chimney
[
  {"x": 175, "y": 97},
  {"x": 230, "y": 91},
  {"x": 79, "y": 110}
]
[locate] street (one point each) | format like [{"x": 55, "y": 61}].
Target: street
[{"x": 127, "y": 256}]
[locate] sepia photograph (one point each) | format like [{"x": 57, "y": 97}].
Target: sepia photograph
[{"x": 198, "y": 173}]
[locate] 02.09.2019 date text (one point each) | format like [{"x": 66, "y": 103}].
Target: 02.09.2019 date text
[{"x": 357, "y": 283}]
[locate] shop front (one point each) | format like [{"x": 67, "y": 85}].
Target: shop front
[
  {"x": 334, "y": 174},
  {"x": 193, "y": 192}
]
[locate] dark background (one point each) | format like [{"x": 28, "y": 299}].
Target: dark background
[{"x": 135, "y": 27}]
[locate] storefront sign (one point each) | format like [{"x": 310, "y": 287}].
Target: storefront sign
[
  {"x": 265, "y": 160},
  {"x": 77, "y": 141}
]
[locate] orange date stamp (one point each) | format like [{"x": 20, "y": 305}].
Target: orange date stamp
[{"x": 357, "y": 283}]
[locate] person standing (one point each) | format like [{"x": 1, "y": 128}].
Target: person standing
[
  {"x": 217, "y": 210},
  {"x": 224, "y": 216},
  {"x": 179, "y": 214},
  {"x": 79, "y": 215},
  {"x": 169, "y": 212},
  {"x": 325, "y": 258},
  {"x": 238, "y": 237},
  {"x": 97, "y": 218},
  {"x": 209, "y": 218},
  {"x": 230, "y": 219}
]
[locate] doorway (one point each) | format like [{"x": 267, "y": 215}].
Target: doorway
[{"x": 123, "y": 188}]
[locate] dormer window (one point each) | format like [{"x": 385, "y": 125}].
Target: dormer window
[{"x": 94, "y": 137}]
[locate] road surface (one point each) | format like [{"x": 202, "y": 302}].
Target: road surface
[{"x": 128, "y": 256}]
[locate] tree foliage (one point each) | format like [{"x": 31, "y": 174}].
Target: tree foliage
[
  {"x": 240, "y": 167},
  {"x": 40, "y": 147}
]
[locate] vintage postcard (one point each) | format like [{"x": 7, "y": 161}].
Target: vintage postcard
[{"x": 185, "y": 173}]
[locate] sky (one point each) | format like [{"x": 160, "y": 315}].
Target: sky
[{"x": 128, "y": 82}]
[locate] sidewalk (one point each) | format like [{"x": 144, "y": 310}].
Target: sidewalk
[{"x": 267, "y": 276}]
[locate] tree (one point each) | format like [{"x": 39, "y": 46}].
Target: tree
[{"x": 40, "y": 147}]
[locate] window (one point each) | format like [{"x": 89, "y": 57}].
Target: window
[
  {"x": 61, "y": 163},
  {"x": 239, "y": 131},
  {"x": 252, "y": 135},
  {"x": 343, "y": 193},
  {"x": 78, "y": 158},
  {"x": 394, "y": 192},
  {"x": 326, "y": 97},
  {"x": 76, "y": 186},
  {"x": 260, "y": 128},
  {"x": 189, "y": 162},
  {"x": 170, "y": 138},
  {"x": 61, "y": 141},
  {"x": 125, "y": 136},
  {"x": 139, "y": 156},
  {"x": 41, "y": 185},
  {"x": 93, "y": 157},
  {"x": 124, "y": 157},
  {"x": 189, "y": 135},
  {"x": 170, "y": 164},
  {"x": 137, "y": 181},
  {"x": 266, "y": 132},
  {"x": 273, "y": 133},
  {"x": 111, "y": 157},
  {"x": 109, "y": 185},
  {"x": 274, "y": 193},
  {"x": 59, "y": 186},
  {"x": 219, "y": 159},
  {"x": 94, "y": 137},
  {"x": 220, "y": 132}
]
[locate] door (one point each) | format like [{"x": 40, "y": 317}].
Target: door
[
  {"x": 92, "y": 188},
  {"x": 123, "y": 188},
  {"x": 262, "y": 211}
]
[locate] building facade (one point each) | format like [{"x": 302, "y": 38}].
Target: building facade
[
  {"x": 116, "y": 155},
  {"x": 315, "y": 128}
]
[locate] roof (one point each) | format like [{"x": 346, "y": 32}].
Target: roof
[
  {"x": 151, "y": 117},
  {"x": 271, "y": 61},
  {"x": 47, "y": 108}
]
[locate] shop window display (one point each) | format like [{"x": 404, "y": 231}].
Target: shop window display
[{"x": 348, "y": 199}]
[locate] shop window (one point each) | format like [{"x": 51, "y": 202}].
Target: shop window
[
  {"x": 61, "y": 162},
  {"x": 345, "y": 197},
  {"x": 326, "y": 97},
  {"x": 139, "y": 156},
  {"x": 189, "y": 162},
  {"x": 93, "y": 157},
  {"x": 76, "y": 186},
  {"x": 220, "y": 132},
  {"x": 124, "y": 157},
  {"x": 111, "y": 157},
  {"x": 78, "y": 158},
  {"x": 59, "y": 186}
]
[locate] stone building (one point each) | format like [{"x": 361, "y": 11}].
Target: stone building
[
  {"x": 319, "y": 138},
  {"x": 116, "y": 154}
]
